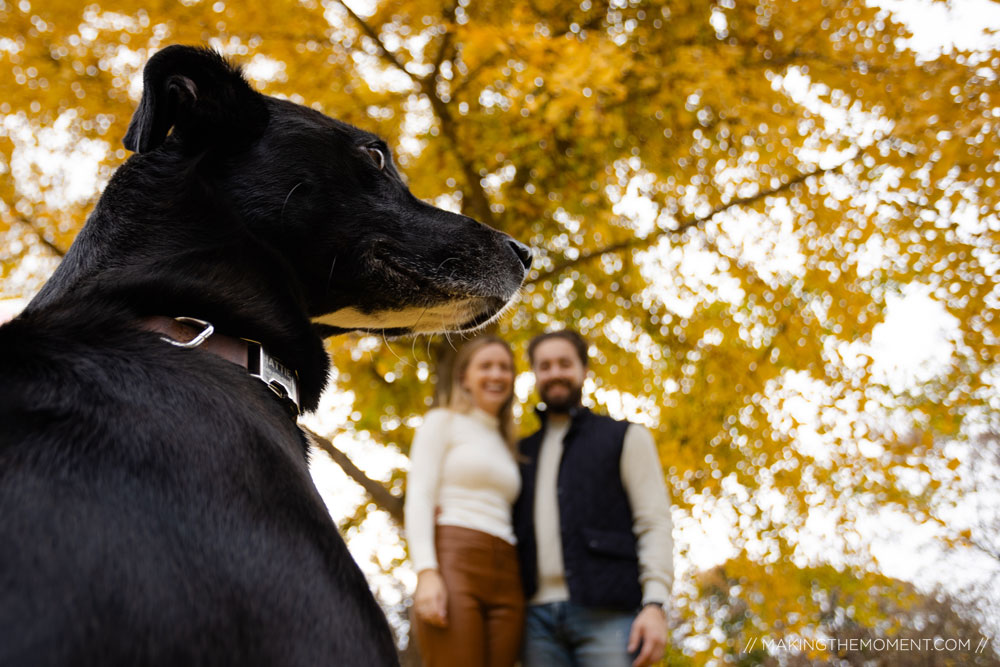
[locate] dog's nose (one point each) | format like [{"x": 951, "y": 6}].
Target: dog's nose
[{"x": 523, "y": 253}]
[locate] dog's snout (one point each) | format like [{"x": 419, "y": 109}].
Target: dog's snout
[{"x": 523, "y": 253}]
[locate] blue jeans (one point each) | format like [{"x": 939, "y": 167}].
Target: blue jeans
[{"x": 563, "y": 634}]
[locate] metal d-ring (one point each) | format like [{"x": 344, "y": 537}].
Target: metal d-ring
[{"x": 206, "y": 330}]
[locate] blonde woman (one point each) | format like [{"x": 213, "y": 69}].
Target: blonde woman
[{"x": 463, "y": 480}]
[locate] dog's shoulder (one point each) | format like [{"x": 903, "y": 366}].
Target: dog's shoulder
[
  {"x": 70, "y": 374},
  {"x": 135, "y": 473}
]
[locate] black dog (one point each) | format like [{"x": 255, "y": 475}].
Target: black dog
[{"x": 155, "y": 502}]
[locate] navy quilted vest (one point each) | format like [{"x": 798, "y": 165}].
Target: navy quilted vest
[{"x": 599, "y": 548}]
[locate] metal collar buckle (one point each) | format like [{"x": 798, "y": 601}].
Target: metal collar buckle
[
  {"x": 279, "y": 378},
  {"x": 206, "y": 331}
]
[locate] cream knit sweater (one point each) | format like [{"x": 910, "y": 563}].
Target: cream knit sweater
[{"x": 461, "y": 468}]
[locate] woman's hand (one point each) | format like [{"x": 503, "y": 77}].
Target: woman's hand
[{"x": 431, "y": 598}]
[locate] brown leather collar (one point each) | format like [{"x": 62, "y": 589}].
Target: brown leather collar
[
  {"x": 191, "y": 333},
  {"x": 227, "y": 347}
]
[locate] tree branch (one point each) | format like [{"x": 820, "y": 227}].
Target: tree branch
[
  {"x": 648, "y": 241},
  {"x": 475, "y": 195},
  {"x": 379, "y": 494},
  {"x": 56, "y": 250},
  {"x": 471, "y": 75},
  {"x": 386, "y": 54},
  {"x": 449, "y": 16},
  {"x": 986, "y": 549}
]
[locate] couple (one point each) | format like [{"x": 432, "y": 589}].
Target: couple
[{"x": 581, "y": 532}]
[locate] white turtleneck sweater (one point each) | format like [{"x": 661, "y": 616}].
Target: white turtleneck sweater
[{"x": 461, "y": 468}]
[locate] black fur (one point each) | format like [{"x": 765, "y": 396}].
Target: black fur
[{"x": 155, "y": 502}]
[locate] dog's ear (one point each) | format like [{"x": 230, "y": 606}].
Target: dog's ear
[{"x": 197, "y": 93}]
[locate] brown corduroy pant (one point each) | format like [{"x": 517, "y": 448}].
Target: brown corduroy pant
[{"x": 485, "y": 602}]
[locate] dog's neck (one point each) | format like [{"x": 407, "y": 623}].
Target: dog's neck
[
  {"x": 231, "y": 280},
  {"x": 181, "y": 263},
  {"x": 251, "y": 355}
]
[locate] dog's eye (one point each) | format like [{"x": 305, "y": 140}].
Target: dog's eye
[{"x": 377, "y": 157}]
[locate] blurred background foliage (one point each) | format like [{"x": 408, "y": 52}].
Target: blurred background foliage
[{"x": 775, "y": 221}]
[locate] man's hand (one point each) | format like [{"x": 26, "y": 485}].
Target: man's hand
[
  {"x": 649, "y": 630},
  {"x": 431, "y": 598}
]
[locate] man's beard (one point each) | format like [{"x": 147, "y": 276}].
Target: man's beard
[{"x": 563, "y": 404}]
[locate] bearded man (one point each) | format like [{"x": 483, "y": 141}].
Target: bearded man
[{"x": 593, "y": 525}]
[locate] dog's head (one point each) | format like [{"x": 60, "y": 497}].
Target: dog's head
[{"x": 326, "y": 197}]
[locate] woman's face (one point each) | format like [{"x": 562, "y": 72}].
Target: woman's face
[{"x": 489, "y": 378}]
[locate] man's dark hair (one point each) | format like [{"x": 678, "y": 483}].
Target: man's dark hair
[{"x": 575, "y": 339}]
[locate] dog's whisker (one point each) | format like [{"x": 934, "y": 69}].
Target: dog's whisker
[
  {"x": 413, "y": 347},
  {"x": 422, "y": 313},
  {"x": 450, "y": 259},
  {"x": 333, "y": 264},
  {"x": 281, "y": 216},
  {"x": 329, "y": 278},
  {"x": 389, "y": 347}
]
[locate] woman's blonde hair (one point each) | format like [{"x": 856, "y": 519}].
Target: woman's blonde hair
[{"x": 460, "y": 399}]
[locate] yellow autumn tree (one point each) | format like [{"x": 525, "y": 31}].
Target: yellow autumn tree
[
  {"x": 832, "y": 615},
  {"x": 725, "y": 197}
]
